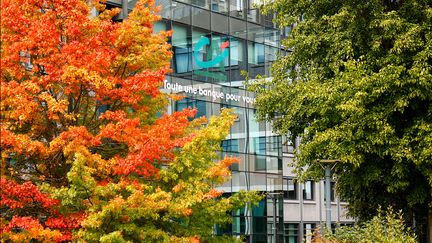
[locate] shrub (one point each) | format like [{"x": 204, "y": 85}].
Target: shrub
[{"x": 386, "y": 227}]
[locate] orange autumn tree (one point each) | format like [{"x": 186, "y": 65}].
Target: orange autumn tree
[{"x": 88, "y": 152}]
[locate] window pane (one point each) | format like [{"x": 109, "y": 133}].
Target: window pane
[
  {"x": 308, "y": 193},
  {"x": 166, "y": 10},
  {"x": 237, "y": 8},
  {"x": 181, "y": 12},
  {"x": 291, "y": 233},
  {"x": 308, "y": 231},
  {"x": 201, "y": 18},
  {"x": 260, "y": 209},
  {"x": 182, "y": 49},
  {"x": 290, "y": 189},
  {"x": 260, "y": 163},
  {"x": 259, "y": 225},
  {"x": 220, "y": 6}
]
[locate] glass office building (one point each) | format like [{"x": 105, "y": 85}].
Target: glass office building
[{"x": 213, "y": 41}]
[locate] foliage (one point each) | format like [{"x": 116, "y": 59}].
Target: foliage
[
  {"x": 386, "y": 227},
  {"x": 88, "y": 152},
  {"x": 356, "y": 86}
]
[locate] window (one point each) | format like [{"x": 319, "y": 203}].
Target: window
[
  {"x": 255, "y": 53},
  {"x": 291, "y": 233},
  {"x": 260, "y": 163},
  {"x": 308, "y": 230},
  {"x": 274, "y": 145},
  {"x": 182, "y": 49},
  {"x": 290, "y": 189},
  {"x": 187, "y": 102},
  {"x": 260, "y": 145},
  {"x": 230, "y": 145},
  {"x": 183, "y": 59},
  {"x": 308, "y": 190}
]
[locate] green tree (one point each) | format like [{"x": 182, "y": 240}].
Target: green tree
[{"x": 356, "y": 85}]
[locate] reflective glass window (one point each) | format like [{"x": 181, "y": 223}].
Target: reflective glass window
[
  {"x": 201, "y": 18},
  {"x": 237, "y": 59},
  {"x": 238, "y": 225},
  {"x": 201, "y": 3},
  {"x": 259, "y": 145},
  {"x": 230, "y": 145},
  {"x": 220, "y": 6},
  {"x": 191, "y": 103},
  {"x": 181, "y": 12},
  {"x": 182, "y": 49},
  {"x": 260, "y": 163},
  {"x": 256, "y": 53},
  {"x": 159, "y": 26},
  {"x": 260, "y": 209},
  {"x": 166, "y": 8},
  {"x": 237, "y": 8},
  {"x": 257, "y": 181},
  {"x": 259, "y": 224}
]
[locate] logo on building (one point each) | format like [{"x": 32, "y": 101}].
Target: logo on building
[{"x": 215, "y": 58}]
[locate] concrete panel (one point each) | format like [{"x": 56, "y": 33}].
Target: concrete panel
[{"x": 291, "y": 212}]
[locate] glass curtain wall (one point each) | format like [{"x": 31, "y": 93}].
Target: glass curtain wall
[{"x": 212, "y": 42}]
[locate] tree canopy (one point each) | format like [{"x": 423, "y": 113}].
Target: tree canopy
[
  {"x": 88, "y": 151},
  {"x": 356, "y": 86}
]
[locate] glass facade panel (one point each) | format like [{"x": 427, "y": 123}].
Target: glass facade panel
[
  {"x": 239, "y": 181},
  {"x": 258, "y": 181},
  {"x": 219, "y": 23},
  {"x": 238, "y": 60},
  {"x": 201, "y": 18},
  {"x": 237, "y": 8},
  {"x": 260, "y": 209},
  {"x": 220, "y": 6},
  {"x": 255, "y": 33},
  {"x": 259, "y": 225},
  {"x": 237, "y": 28},
  {"x": 260, "y": 163},
  {"x": 159, "y": 26},
  {"x": 166, "y": 8},
  {"x": 181, "y": 12},
  {"x": 182, "y": 49},
  {"x": 212, "y": 42}
]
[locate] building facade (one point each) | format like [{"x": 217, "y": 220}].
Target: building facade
[{"x": 213, "y": 42}]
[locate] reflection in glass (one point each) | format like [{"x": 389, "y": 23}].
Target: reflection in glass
[
  {"x": 291, "y": 233},
  {"x": 182, "y": 49},
  {"x": 181, "y": 12},
  {"x": 201, "y": 18},
  {"x": 220, "y": 6}
]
